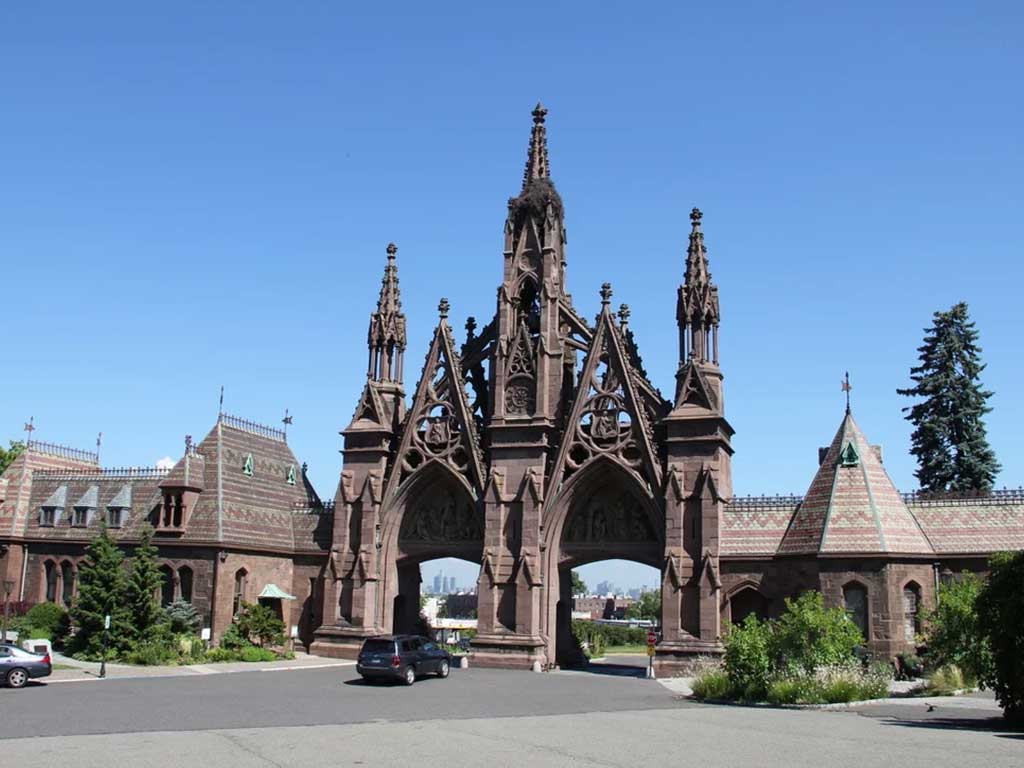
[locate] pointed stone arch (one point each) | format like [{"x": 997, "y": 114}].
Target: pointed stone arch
[{"x": 435, "y": 513}]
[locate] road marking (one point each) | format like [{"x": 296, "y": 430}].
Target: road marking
[{"x": 309, "y": 666}]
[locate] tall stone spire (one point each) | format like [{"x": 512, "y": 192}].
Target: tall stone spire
[
  {"x": 537, "y": 158},
  {"x": 697, "y": 305},
  {"x": 386, "y": 335}
]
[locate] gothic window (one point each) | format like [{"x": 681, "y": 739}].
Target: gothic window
[
  {"x": 747, "y": 602},
  {"x": 166, "y": 585},
  {"x": 240, "y": 579},
  {"x": 855, "y": 601},
  {"x": 80, "y": 519},
  {"x": 47, "y": 517},
  {"x": 50, "y": 575},
  {"x": 67, "y": 575},
  {"x": 248, "y": 467},
  {"x": 185, "y": 584},
  {"x": 911, "y": 611}
]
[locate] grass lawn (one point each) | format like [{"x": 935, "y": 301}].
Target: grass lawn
[{"x": 623, "y": 649}]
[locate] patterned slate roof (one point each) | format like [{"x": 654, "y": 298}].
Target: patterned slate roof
[
  {"x": 852, "y": 505},
  {"x": 755, "y": 525},
  {"x": 972, "y": 525}
]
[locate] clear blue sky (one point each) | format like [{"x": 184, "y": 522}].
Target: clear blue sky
[{"x": 200, "y": 194}]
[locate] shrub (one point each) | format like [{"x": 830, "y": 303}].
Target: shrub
[
  {"x": 48, "y": 618},
  {"x": 152, "y": 653},
  {"x": 953, "y": 632},
  {"x": 946, "y": 680},
  {"x": 255, "y": 653},
  {"x": 26, "y": 630},
  {"x": 1000, "y": 608},
  {"x": 747, "y": 661},
  {"x": 233, "y": 639},
  {"x": 830, "y": 685},
  {"x": 259, "y": 624},
  {"x": 220, "y": 654},
  {"x": 182, "y": 617},
  {"x": 808, "y": 635},
  {"x": 910, "y": 665},
  {"x": 712, "y": 684}
]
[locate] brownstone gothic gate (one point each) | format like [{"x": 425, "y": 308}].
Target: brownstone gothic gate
[{"x": 564, "y": 454}]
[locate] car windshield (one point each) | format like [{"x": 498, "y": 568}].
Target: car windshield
[{"x": 379, "y": 646}]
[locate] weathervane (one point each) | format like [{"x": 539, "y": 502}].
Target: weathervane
[
  {"x": 99, "y": 442},
  {"x": 220, "y": 405},
  {"x": 286, "y": 421},
  {"x": 30, "y": 427},
  {"x": 846, "y": 388}
]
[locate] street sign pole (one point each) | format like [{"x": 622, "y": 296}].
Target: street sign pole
[
  {"x": 106, "y": 640},
  {"x": 652, "y": 641}
]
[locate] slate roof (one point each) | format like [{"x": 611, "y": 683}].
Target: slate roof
[
  {"x": 852, "y": 506},
  {"x": 978, "y": 525},
  {"x": 755, "y": 525}
]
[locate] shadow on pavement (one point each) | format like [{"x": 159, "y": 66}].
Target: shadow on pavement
[{"x": 995, "y": 725}]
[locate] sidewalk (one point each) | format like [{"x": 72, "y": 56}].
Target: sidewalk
[{"x": 88, "y": 670}]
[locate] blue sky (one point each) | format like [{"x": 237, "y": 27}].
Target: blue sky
[{"x": 195, "y": 196}]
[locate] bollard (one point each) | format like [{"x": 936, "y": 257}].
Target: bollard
[
  {"x": 464, "y": 662},
  {"x": 537, "y": 667}
]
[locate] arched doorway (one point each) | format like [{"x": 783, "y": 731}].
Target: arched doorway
[
  {"x": 604, "y": 512},
  {"x": 434, "y": 516},
  {"x": 748, "y": 601}
]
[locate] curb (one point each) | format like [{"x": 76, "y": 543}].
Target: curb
[{"x": 192, "y": 672}]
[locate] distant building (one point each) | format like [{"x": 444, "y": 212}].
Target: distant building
[
  {"x": 601, "y": 607},
  {"x": 438, "y": 577}
]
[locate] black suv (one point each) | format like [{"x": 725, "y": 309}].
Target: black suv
[{"x": 402, "y": 657}]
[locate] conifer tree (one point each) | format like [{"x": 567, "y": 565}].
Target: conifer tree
[
  {"x": 949, "y": 440},
  {"x": 101, "y": 591},
  {"x": 143, "y": 583}
]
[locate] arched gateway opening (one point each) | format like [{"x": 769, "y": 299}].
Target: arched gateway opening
[
  {"x": 603, "y": 513},
  {"x": 434, "y": 516}
]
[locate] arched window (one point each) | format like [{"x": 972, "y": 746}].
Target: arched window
[
  {"x": 855, "y": 601},
  {"x": 185, "y": 584},
  {"x": 748, "y": 601},
  {"x": 50, "y": 574},
  {"x": 166, "y": 585},
  {"x": 911, "y": 611},
  {"x": 240, "y": 578},
  {"x": 67, "y": 575}
]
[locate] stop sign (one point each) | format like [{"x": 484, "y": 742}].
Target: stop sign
[{"x": 652, "y": 638}]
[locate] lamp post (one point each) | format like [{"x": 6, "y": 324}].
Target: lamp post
[{"x": 8, "y": 588}]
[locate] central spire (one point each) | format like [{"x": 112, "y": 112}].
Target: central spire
[
  {"x": 386, "y": 336},
  {"x": 537, "y": 156}
]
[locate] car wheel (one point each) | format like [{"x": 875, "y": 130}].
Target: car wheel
[
  {"x": 410, "y": 676},
  {"x": 17, "y": 678},
  {"x": 444, "y": 669}
]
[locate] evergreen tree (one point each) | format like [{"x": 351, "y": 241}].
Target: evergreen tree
[
  {"x": 101, "y": 591},
  {"x": 949, "y": 440},
  {"x": 143, "y": 584}
]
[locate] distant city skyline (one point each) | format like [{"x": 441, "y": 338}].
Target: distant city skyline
[{"x": 623, "y": 574}]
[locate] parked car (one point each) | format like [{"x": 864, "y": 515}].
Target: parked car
[
  {"x": 18, "y": 666},
  {"x": 402, "y": 658}
]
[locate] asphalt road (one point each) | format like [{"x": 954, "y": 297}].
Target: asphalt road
[
  {"x": 308, "y": 697},
  {"x": 477, "y": 717}
]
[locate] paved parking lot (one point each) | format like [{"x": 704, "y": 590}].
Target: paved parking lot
[{"x": 327, "y": 717}]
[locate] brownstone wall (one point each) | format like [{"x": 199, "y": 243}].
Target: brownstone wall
[{"x": 260, "y": 571}]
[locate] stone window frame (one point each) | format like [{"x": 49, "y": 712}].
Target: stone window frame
[
  {"x": 80, "y": 517},
  {"x": 914, "y": 586},
  {"x": 742, "y": 587},
  {"x": 858, "y": 582},
  {"x": 54, "y": 565},
  {"x": 241, "y": 584},
  {"x": 175, "y": 569}
]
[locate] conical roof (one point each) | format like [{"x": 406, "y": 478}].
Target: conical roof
[{"x": 852, "y": 506}]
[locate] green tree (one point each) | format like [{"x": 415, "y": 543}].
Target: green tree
[
  {"x": 647, "y": 607},
  {"x": 953, "y": 632},
  {"x": 747, "y": 660},
  {"x": 8, "y": 455},
  {"x": 1001, "y": 618},
  {"x": 101, "y": 592},
  {"x": 579, "y": 587},
  {"x": 949, "y": 439},
  {"x": 141, "y": 589}
]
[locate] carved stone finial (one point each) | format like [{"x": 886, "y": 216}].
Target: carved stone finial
[
  {"x": 624, "y": 314},
  {"x": 188, "y": 443},
  {"x": 393, "y": 249},
  {"x": 606, "y": 294},
  {"x": 443, "y": 307},
  {"x": 470, "y": 328},
  {"x": 305, "y": 467},
  {"x": 695, "y": 217},
  {"x": 539, "y": 113}
]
